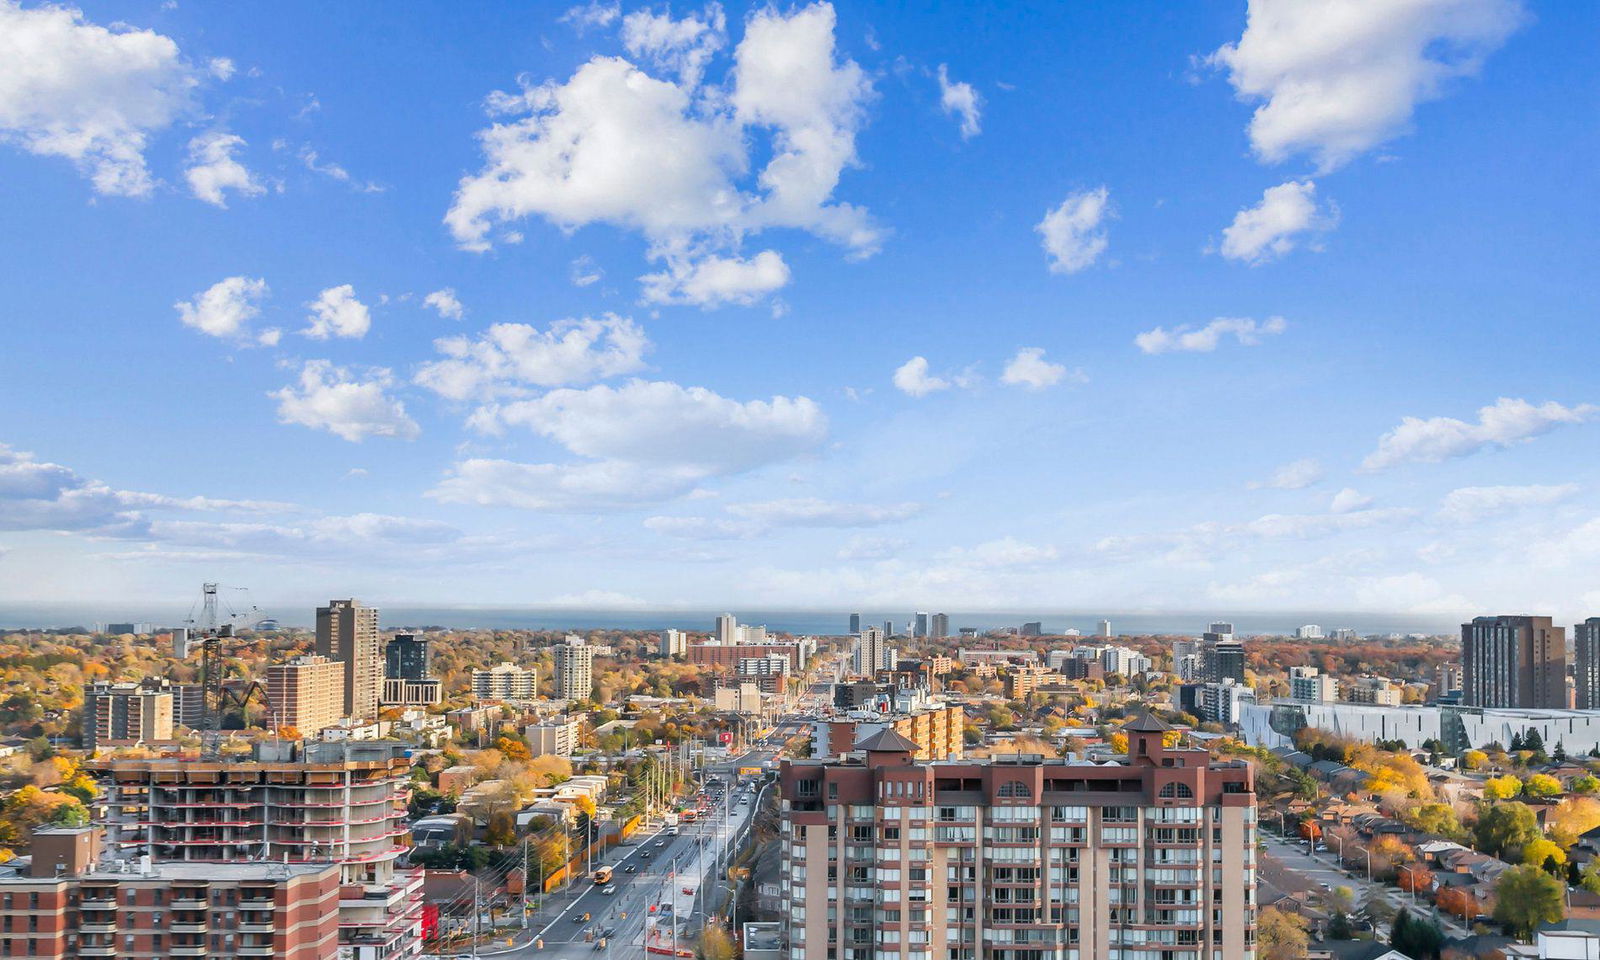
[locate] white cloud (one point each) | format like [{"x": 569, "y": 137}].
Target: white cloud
[
  {"x": 576, "y": 154},
  {"x": 585, "y": 272},
  {"x": 1030, "y": 369},
  {"x": 592, "y": 14},
  {"x": 1074, "y": 233},
  {"x": 1338, "y": 78},
  {"x": 596, "y": 600},
  {"x": 863, "y": 547},
  {"x": 1206, "y": 339},
  {"x": 1004, "y": 552},
  {"x": 642, "y": 442},
  {"x": 685, "y": 46},
  {"x": 226, "y": 308},
  {"x": 337, "y": 313},
  {"x": 713, "y": 281},
  {"x": 334, "y": 171},
  {"x": 1470, "y": 504},
  {"x": 1503, "y": 423},
  {"x": 1311, "y": 526},
  {"x": 221, "y": 67},
  {"x": 912, "y": 378},
  {"x": 704, "y": 528},
  {"x": 92, "y": 95},
  {"x": 1291, "y": 476},
  {"x": 445, "y": 302},
  {"x": 212, "y": 169},
  {"x": 1269, "y": 230},
  {"x": 815, "y": 512},
  {"x": 960, "y": 100},
  {"x": 333, "y": 399},
  {"x": 508, "y": 357},
  {"x": 1349, "y": 500}
]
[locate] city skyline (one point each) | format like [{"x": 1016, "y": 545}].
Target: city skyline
[{"x": 284, "y": 314}]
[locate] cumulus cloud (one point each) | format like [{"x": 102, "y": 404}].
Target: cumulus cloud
[
  {"x": 445, "y": 302},
  {"x": 507, "y": 358},
  {"x": 1335, "y": 79},
  {"x": 642, "y": 442},
  {"x": 704, "y": 528},
  {"x": 592, "y": 14},
  {"x": 1501, "y": 424},
  {"x": 1270, "y": 229},
  {"x": 336, "y": 400},
  {"x": 684, "y": 46},
  {"x": 1205, "y": 339},
  {"x": 227, "y": 309},
  {"x": 92, "y": 95},
  {"x": 1073, "y": 233},
  {"x": 1470, "y": 504},
  {"x": 1030, "y": 369},
  {"x": 1004, "y": 552},
  {"x": 815, "y": 512},
  {"x": 912, "y": 378},
  {"x": 671, "y": 159},
  {"x": 1349, "y": 500},
  {"x": 337, "y": 313},
  {"x": 1291, "y": 476},
  {"x": 960, "y": 100},
  {"x": 213, "y": 170},
  {"x": 714, "y": 281}
]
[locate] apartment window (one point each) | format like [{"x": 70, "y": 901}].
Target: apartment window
[
  {"x": 161, "y": 896},
  {"x": 1015, "y": 790},
  {"x": 1176, "y": 790},
  {"x": 33, "y": 901}
]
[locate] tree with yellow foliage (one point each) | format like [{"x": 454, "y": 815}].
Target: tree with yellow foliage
[
  {"x": 1541, "y": 785},
  {"x": 1119, "y": 742},
  {"x": 1571, "y": 818},
  {"x": 1501, "y": 788},
  {"x": 1474, "y": 760},
  {"x": 1539, "y": 853}
]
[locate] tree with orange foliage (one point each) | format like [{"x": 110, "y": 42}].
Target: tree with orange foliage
[
  {"x": 1415, "y": 878},
  {"x": 1457, "y": 902}
]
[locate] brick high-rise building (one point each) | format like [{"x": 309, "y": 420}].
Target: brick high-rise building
[
  {"x": 306, "y": 693},
  {"x": 69, "y": 904},
  {"x": 1513, "y": 661},
  {"x": 340, "y": 802},
  {"x": 347, "y": 632},
  {"x": 1024, "y": 859},
  {"x": 125, "y": 712}
]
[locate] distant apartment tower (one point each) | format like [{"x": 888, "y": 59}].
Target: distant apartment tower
[
  {"x": 871, "y": 653},
  {"x": 1309, "y": 683},
  {"x": 1033, "y": 628},
  {"x": 1310, "y": 631},
  {"x": 408, "y": 657},
  {"x": 674, "y": 643},
  {"x": 1023, "y": 859},
  {"x": 919, "y": 625},
  {"x": 505, "y": 681},
  {"x": 1222, "y": 660},
  {"x": 855, "y": 624},
  {"x": 1448, "y": 678},
  {"x": 306, "y": 693},
  {"x": 347, "y": 632},
  {"x": 1375, "y": 690},
  {"x": 556, "y": 736},
  {"x": 938, "y": 626},
  {"x": 125, "y": 712},
  {"x": 1586, "y": 646},
  {"x": 1513, "y": 661},
  {"x": 1221, "y": 628},
  {"x": 575, "y": 672},
  {"x": 727, "y": 629},
  {"x": 1104, "y": 629}
]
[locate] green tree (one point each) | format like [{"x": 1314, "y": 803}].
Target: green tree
[
  {"x": 1439, "y": 819},
  {"x": 1526, "y": 897},
  {"x": 1585, "y": 785},
  {"x": 1505, "y": 826}
]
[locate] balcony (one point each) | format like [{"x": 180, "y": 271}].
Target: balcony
[
  {"x": 254, "y": 950},
  {"x": 98, "y": 926},
  {"x": 98, "y": 950},
  {"x": 187, "y": 901},
  {"x": 183, "y": 950},
  {"x": 188, "y": 926}
]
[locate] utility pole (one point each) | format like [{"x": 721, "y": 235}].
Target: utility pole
[
  {"x": 526, "y": 864},
  {"x": 477, "y": 915}
]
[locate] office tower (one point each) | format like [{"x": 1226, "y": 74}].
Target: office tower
[
  {"x": 72, "y": 901},
  {"x": 919, "y": 626},
  {"x": 674, "y": 643},
  {"x": 1586, "y": 643},
  {"x": 306, "y": 693},
  {"x": 855, "y": 624},
  {"x": 870, "y": 653},
  {"x": 505, "y": 681},
  {"x": 1222, "y": 660},
  {"x": 1033, "y": 628},
  {"x": 938, "y": 626},
  {"x": 574, "y": 672},
  {"x": 727, "y": 629},
  {"x": 347, "y": 631},
  {"x": 888, "y": 628},
  {"x": 1308, "y": 632},
  {"x": 342, "y": 801},
  {"x": 1105, "y": 628},
  {"x": 1513, "y": 661},
  {"x": 1309, "y": 683},
  {"x": 408, "y": 657},
  {"x": 1022, "y": 859},
  {"x": 125, "y": 712}
]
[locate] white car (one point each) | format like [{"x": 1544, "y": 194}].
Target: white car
[{"x": 609, "y": 889}]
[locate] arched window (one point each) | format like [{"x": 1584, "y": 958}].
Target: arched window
[
  {"x": 1015, "y": 789},
  {"x": 1176, "y": 790}
]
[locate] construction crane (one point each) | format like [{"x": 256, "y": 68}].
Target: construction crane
[{"x": 208, "y": 631}]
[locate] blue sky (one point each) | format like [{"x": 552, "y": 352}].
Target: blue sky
[{"x": 1284, "y": 307}]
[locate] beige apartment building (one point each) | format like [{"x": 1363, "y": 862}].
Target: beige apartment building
[
  {"x": 347, "y": 631},
  {"x": 306, "y": 693},
  {"x": 125, "y": 712},
  {"x": 1023, "y": 858}
]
